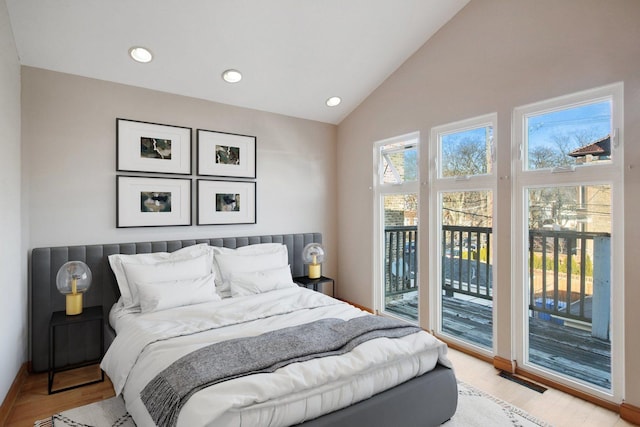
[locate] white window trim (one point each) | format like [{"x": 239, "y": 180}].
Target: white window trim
[
  {"x": 606, "y": 173},
  {"x": 484, "y": 182},
  {"x": 379, "y": 191}
]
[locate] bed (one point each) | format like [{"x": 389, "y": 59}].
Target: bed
[{"x": 401, "y": 380}]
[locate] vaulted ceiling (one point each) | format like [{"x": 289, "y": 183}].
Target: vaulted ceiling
[{"x": 293, "y": 54}]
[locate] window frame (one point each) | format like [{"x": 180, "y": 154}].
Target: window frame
[
  {"x": 440, "y": 185},
  {"x": 608, "y": 173},
  {"x": 380, "y": 190}
]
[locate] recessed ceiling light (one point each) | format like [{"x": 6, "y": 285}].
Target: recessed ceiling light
[
  {"x": 231, "y": 76},
  {"x": 140, "y": 54},
  {"x": 333, "y": 101}
]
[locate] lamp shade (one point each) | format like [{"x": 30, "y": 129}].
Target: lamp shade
[
  {"x": 313, "y": 254},
  {"x": 72, "y": 280}
]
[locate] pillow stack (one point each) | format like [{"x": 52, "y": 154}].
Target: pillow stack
[
  {"x": 241, "y": 271},
  {"x": 161, "y": 280},
  {"x": 199, "y": 273}
]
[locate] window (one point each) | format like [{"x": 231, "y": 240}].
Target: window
[
  {"x": 576, "y": 135},
  {"x": 466, "y": 152},
  {"x": 568, "y": 249},
  {"x": 399, "y": 163},
  {"x": 396, "y": 221},
  {"x": 463, "y": 188}
]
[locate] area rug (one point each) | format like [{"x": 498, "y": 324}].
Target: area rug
[{"x": 475, "y": 409}]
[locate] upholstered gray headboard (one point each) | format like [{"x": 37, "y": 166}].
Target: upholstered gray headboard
[{"x": 45, "y": 298}]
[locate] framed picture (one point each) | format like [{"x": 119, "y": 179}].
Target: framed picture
[
  {"x": 226, "y": 202},
  {"x": 152, "y": 147},
  {"x": 152, "y": 202},
  {"x": 226, "y": 154}
]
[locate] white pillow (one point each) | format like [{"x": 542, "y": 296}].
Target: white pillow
[
  {"x": 256, "y": 282},
  {"x": 180, "y": 269},
  {"x": 156, "y": 296},
  {"x": 258, "y": 248},
  {"x": 118, "y": 260},
  {"x": 249, "y": 258}
]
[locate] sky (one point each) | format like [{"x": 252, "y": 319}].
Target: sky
[{"x": 595, "y": 117}]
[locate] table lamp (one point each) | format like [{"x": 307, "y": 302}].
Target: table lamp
[
  {"x": 72, "y": 280},
  {"x": 313, "y": 254}
]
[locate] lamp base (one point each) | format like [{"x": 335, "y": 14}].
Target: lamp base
[
  {"x": 314, "y": 271},
  {"x": 74, "y": 304}
]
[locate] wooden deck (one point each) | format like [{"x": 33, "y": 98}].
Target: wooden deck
[{"x": 567, "y": 350}]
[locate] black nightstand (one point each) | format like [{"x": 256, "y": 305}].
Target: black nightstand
[
  {"x": 321, "y": 284},
  {"x": 76, "y": 329}
]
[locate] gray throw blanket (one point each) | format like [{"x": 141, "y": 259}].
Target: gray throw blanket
[{"x": 165, "y": 395}]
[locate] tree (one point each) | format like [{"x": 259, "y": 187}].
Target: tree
[
  {"x": 556, "y": 205},
  {"x": 465, "y": 156},
  {"x": 462, "y": 156},
  {"x": 542, "y": 157}
]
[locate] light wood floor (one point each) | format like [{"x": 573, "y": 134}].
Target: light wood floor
[
  {"x": 552, "y": 406},
  {"x": 555, "y": 407}
]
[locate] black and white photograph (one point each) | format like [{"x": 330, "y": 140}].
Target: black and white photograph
[
  {"x": 151, "y": 201},
  {"x": 227, "y": 155},
  {"x": 155, "y": 148},
  {"x": 227, "y": 202}
]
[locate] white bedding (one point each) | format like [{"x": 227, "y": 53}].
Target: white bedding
[{"x": 147, "y": 343}]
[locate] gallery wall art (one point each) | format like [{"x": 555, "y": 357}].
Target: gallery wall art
[{"x": 146, "y": 200}]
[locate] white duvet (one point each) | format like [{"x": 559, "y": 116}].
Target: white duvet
[{"x": 147, "y": 343}]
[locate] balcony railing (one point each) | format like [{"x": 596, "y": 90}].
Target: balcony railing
[
  {"x": 569, "y": 275},
  {"x": 569, "y": 271},
  {"x": 466, "y": 266},
  {"x": 401, "y": 264}
]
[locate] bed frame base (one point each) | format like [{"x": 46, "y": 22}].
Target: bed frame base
[{"x": 425, "y": 401}]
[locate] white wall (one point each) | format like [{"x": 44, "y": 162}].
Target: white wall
[
  {"x": 492, "y": 56},
  {"x": 13, "y": 284}
]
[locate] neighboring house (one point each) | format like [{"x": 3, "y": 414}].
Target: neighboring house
[
  {"x": 593, "y": 195},
  {"x": 598, "y": 150}
]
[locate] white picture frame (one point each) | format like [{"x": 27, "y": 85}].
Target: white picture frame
[
  {"x": 152, "y": 147},
  {"x": 152, "y": 202},
  {"x": 227, "y": 155},
  {"x": 226, "y": 202}
]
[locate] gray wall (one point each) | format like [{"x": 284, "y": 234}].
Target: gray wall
[
  {"x": 495, "y": 55},
  {"x": 13, "y": 287}
]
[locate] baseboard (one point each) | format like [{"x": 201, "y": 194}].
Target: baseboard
[
  {"x": 361, "y": 307},
  {"x": 12, "y": 394},
  {"x": 630, "y": 413},
  {"x": 504, "y": 364}
]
